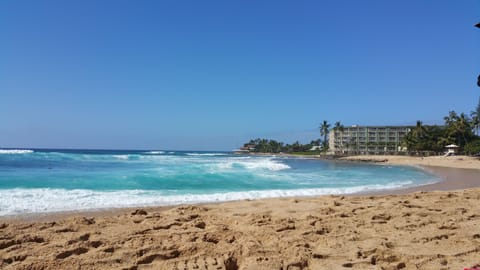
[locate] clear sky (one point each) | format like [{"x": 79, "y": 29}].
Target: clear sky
[{"x": 210, "y": 75}]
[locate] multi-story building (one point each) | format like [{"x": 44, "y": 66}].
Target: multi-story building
[{"x": 372, "y": 140}]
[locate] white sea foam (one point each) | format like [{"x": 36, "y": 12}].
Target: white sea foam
[
  {"x": 22, "y": 201},
  {"x": 269, "y": 164},
  {"x": 254, "y": 164},
  {"x": 15, "y": 151},
  {"x": 155, "y": 152},
  {"x": 124, "y": 157},
  {"x": 206, "y": 154}
]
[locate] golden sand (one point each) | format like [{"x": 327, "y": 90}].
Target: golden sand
[{"x": 461, "y": 162}]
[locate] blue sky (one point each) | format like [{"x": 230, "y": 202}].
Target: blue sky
[{"x": 210, "y": 75}]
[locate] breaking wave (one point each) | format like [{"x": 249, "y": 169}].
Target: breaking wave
[
  {"x": 124, "y": 157},
  {"x": 15, "y": 151},
  {"x": 154, "y": 152},
  {"x": 23, "y": 201},
  {"x": 254, "y": 164},
  {"x": 206, "y": 154}
]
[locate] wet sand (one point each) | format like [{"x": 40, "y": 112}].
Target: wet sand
[{"x": 407, "y": 229}]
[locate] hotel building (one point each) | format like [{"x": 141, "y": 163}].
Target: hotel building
[{"x": 367, "y": 140}]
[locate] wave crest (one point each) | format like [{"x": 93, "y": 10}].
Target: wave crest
[
  {"x": 15, "y": 151},
  {"x": 154, "y": 152},
  {"x": 255, "y": 164},
  {"x": 206, "y": 154},
  {"x": 23, "y": 201},
  {"x": 123, "y": 157}
]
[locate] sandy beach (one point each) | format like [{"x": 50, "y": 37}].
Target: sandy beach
[
  {"x": 459, "y": 162},
  {"x": 429, "y": 227}
]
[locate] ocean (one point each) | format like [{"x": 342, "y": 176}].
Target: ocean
[{"x": 51, "y": 180}]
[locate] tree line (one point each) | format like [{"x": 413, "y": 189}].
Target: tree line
[
  {"x": 273, "y": 146},
  {"x": 459, "y": 129}
]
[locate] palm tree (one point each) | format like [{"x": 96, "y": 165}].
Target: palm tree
[
  {"x": 324, "y": 129},
  {"x": 459, "y": 127},
  {"x": 408, "y": 141},
  {"x": 416, "y": 138},
  {"x": 419, "y": 132},
  {"x": 338, "y": 127},
  {"x": 419, "y": 129},
  {"x": 464, "y": 127},
  {"x": 476, "y": 118},
  {"x": 444, "y": 140}
]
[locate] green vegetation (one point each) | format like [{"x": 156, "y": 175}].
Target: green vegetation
[
  {"x": 458, "y": 129},
  {"x": 338, "y": 127},
  {"x": 315, "y": 147},
  {"x": 476, "y": 118},
  {"x": 272, "y": 146},
  {"x": 473, "y": 147},
  {"x": 425, "y": 138},
  {"x": 324, "y": 130}
]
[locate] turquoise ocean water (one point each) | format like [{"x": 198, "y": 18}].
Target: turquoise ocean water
[{"x": 34, "y": 181}]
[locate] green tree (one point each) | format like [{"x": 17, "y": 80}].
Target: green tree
[
  {"x": 426, "y": 138},
  {"x": 473, "y": 147},
  {"x": 476, "y": 118},
  {"x": 324, "y": 129},
  {"x": 296, "y": 146},
  {"x": 458, "y": 128},
  {"x": 434, "y": 138},
  {"x": 415, "y": 139},
  {"x": 338, "y": 128},
  {"x": 409, "y": 141}
]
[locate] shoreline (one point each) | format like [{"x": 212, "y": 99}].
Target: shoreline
[
  {"x": 456, "y": 172},
  {"x": 451, "y": 179}
]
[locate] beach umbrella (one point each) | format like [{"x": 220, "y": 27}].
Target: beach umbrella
[{"x": 452, "y": 146}]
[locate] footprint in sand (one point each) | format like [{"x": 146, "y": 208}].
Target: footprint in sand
[
  {"x": 24, "y": 239},
  {"x": 437, "y": 237},
  {"x": 261, "y": 220},
  {"x": 68, "y": 253},
  {"x": 201, "y": 263},
  {"x": 262, "y": 263},
  {"x": 16, "y": 258},
  {"x": 66, "y": 229}
]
